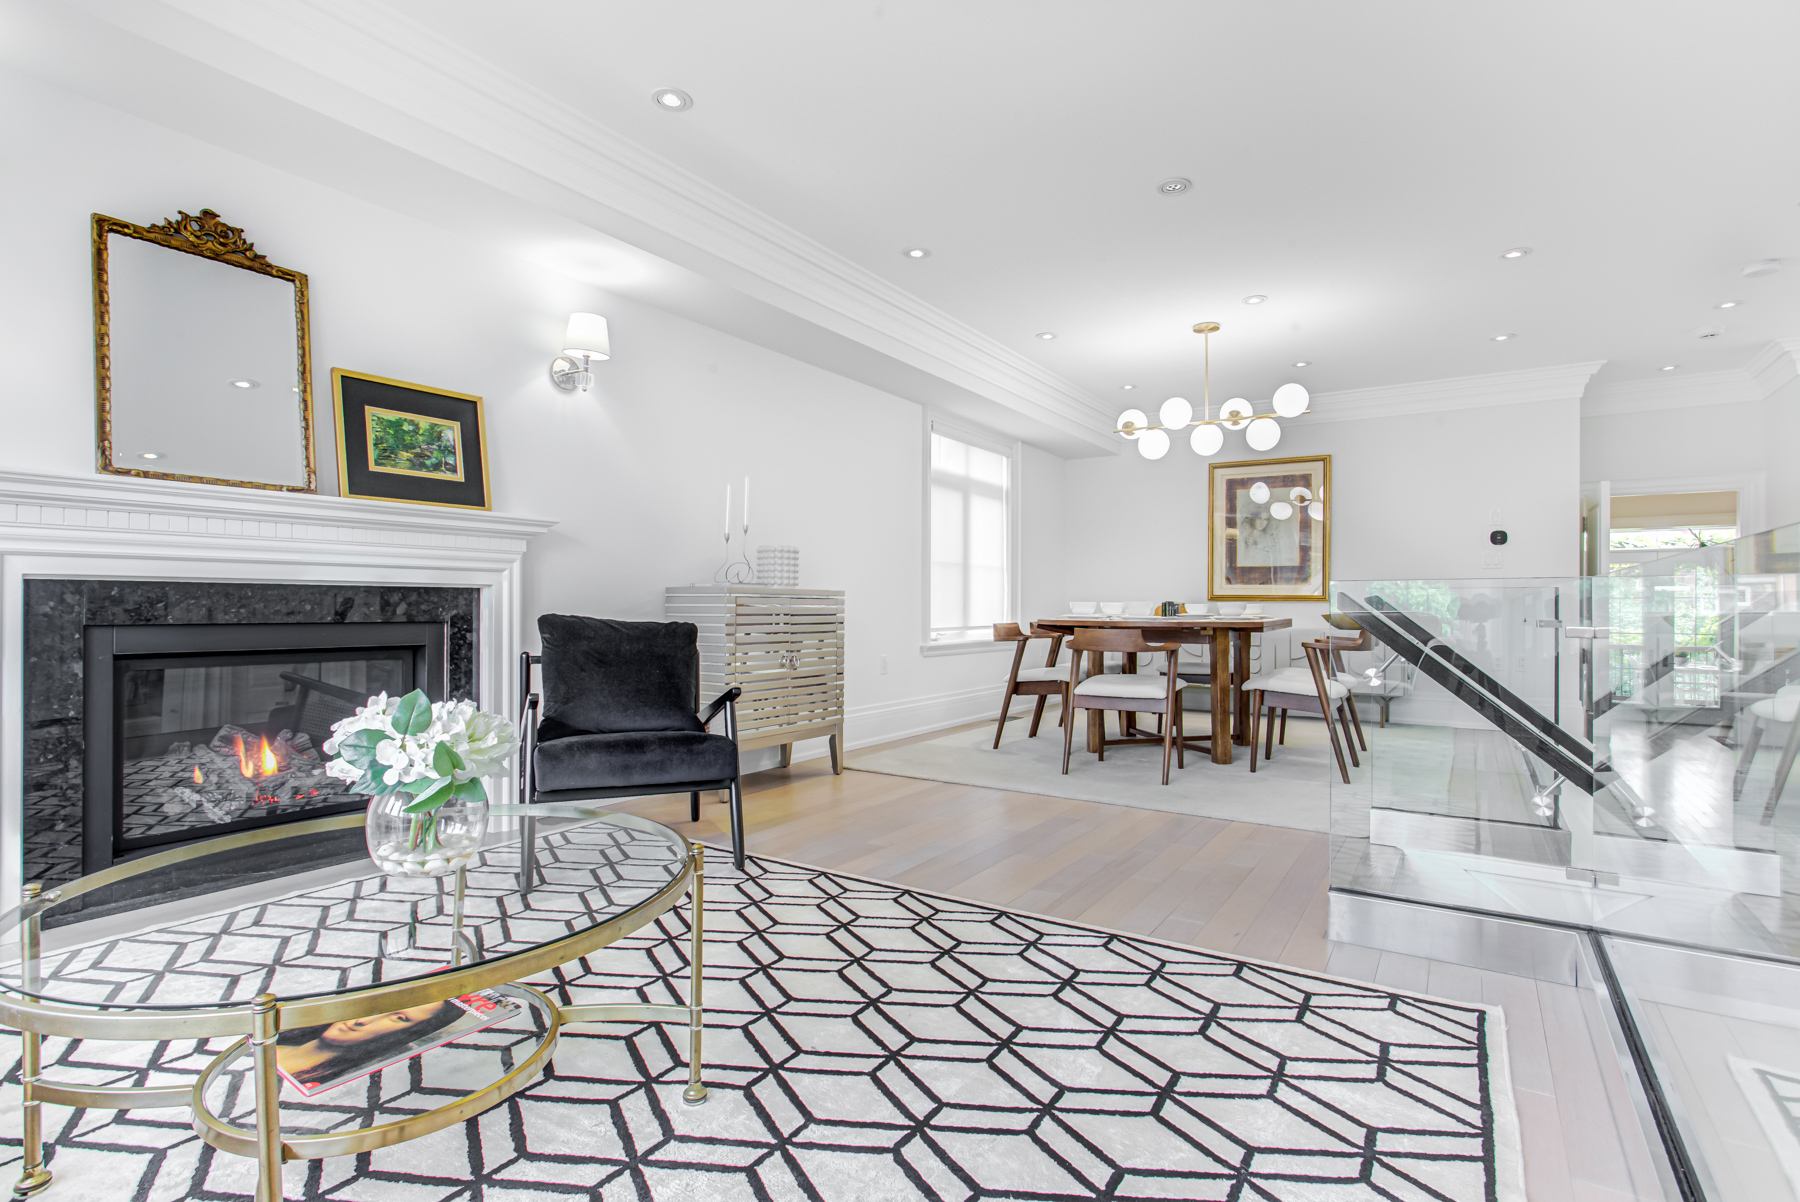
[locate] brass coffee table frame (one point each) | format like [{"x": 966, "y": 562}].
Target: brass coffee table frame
[{"x": 259, "y": 1023}]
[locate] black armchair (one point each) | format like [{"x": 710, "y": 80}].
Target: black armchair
[{"x": 617, "y": 718}]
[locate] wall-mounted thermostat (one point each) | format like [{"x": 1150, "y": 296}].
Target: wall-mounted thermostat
[{"x": 1497, "y": 537}]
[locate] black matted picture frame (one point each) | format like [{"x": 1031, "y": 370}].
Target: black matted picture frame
[{"x": 407, "y": 442}]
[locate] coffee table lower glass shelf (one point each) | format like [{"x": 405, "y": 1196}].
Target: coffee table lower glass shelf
[{"x": 362, "y": 946}]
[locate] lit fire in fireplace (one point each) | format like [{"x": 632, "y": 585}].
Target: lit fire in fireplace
[{"x": 260, "y": 762}]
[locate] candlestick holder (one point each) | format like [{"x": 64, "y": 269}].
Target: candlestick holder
[{"x": 738, "y": 570}]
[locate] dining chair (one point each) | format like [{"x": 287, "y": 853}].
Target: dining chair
[
  {"x": 1310, "y": 690},
  {"x": 1043, "y": 683},
  {"x": 1126, "y": 691},
  {"x": 1782, "y": 708},
  {"x": 1362, "y": 640}
]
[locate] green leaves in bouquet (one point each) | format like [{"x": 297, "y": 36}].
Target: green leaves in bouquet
[
  {"x": 413, "y": 715},
  {"x": 359, "y": 748}
]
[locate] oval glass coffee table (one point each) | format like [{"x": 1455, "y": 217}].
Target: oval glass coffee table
[{"x": 360, "y": 946}]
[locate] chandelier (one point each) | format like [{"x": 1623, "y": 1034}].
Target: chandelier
[{"x": 1208, "y": 439}]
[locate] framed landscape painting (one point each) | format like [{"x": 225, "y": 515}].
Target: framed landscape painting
[
  {"x": 406, "y": 442},
  {"x": 1266, "y": 542}
]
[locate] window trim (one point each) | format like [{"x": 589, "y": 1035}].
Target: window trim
[{"x": 1013, "y": 451}]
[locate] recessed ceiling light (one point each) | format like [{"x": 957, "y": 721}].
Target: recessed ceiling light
[
  {"x": 1046, "y": 335},
  {"x": 1304, "y": 363},
  {"x": 1502, "y": 337},
  {"x": 1762, "y": 267},
  {"x": 1174, "y": 187},
  {"x": 1517, "y": 252},
  {"x": 149, "y": 455},
  {"x": 1671, "y": 366},
  {"x": 1258, "y": 299},
  {"x": 1128, "y": 387},
  {"x": 673, "y": 99},
  {"x": 1727, "y": 304},
  {"x": 916, "y": 252},
  {"x": 243, "y": 383}
]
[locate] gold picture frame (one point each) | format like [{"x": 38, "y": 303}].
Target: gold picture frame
[
  {"x": 387, "y": 448},
  {"x": 208, "y": 236},
  {"x": 1255, "y": 555}
]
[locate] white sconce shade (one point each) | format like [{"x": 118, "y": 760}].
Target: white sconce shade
[
  {"x": 1263, "y": 434},
  {"x": 1291, "y": 400},
  {"x": 1236, "y": 413},
  {"x": 587, "y": 335},
  {"x": 1176, "y": 413},
  {"x": 1281, "y": 511},
  {"x": 1132, "y": 422},
  {"x": 1206, "y": 440},
  {"x": 1259, "y": 492},
  {"x": 1153, "y": 444}
]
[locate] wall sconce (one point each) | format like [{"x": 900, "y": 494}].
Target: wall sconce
[{"x": 585, "y": 340}]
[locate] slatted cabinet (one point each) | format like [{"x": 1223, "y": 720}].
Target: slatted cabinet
[{"x": 784, "y": 647}]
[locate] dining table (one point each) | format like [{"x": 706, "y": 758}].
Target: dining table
[{"x": 1229, "y": 639}]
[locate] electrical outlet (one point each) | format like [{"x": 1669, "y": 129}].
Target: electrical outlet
[
  {"x": 1493, "y": 557},
  {"x": 884, "y": 665}
]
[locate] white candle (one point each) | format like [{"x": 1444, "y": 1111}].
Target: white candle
[
  {"x": 746, "y": 502},
  {"x": 728, "y": 511}
]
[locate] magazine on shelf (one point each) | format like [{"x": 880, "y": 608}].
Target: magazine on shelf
[{"x": 316, "y": 1059}]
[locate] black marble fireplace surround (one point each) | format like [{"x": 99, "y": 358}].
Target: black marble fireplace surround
[{"x": 58, "y": 618}]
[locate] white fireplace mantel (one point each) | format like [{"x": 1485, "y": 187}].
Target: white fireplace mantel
[{"x": 110, "y": 527}]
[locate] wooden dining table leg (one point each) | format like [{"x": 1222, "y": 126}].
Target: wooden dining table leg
[
  {"x": 1222, "y": 702},
  {"x": 1128, "y": 719},
  {"x": 1240, "y": 672},
  {"x": 1096, "y": 664}
]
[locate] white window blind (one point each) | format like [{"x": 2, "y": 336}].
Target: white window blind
[{"x": 970, "y": 489}]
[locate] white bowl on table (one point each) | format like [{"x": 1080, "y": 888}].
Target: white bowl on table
[
  {"x": 1112, "y": 609},
  {"x": 1201, "y": 608},
  {"x": 1083, "y": 607},
  {"x": 1253, "y": 611},
  {"x": 1139, "y": 609},
  {"x": 1231, "y": 609}
]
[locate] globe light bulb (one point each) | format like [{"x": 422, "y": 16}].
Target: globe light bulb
[
  {"x": 1236, "y": 413},
  {"x": 1281, "y": 511},
  {"x": 1206, "y": 440},
  {"x": 1131, "y": 423},
  {"x": 1263, "y": 434},
  {"x": 1153, "y": 444},
  {"x": 1259, "y": 492},
  {"x": 1301, "y": 495},
  {"x": 1291, "y": 400},
  {"x": 1176, "y": 413}
]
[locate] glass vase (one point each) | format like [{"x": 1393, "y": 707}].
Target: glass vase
[{"x": 431, "y": 844}]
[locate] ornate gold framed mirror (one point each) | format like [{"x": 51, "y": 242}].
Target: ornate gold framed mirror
[{"x": 202, "y": 357}]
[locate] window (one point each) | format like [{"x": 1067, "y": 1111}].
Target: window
[{"x": 969, "y": 497}]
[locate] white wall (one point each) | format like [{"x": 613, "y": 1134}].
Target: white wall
[
  {"x": 1781, "y": 447},
  {"x": 1411, "y": 497},
  {"x": 634, "y": 470}
]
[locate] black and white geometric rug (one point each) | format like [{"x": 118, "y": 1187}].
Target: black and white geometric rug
[{"x": 869, "y": 1043}]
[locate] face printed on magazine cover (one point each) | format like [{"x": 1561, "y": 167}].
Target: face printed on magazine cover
[{"x": 358, "y": 1030}]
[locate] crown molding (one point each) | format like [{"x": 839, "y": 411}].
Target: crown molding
[
  {"x": 1774, "y": 365},
  {"x": 1564, "y": 383},
  {"x": 366, "y": 65}
]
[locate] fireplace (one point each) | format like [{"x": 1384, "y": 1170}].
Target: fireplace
[{"x": 197, "y": 731}]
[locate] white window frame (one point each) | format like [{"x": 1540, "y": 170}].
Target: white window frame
[{"x": 999, "y": 444}]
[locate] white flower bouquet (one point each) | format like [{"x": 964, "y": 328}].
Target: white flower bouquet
[{"x": 426, "y": 755}]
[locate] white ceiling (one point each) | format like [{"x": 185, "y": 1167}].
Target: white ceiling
[{"x": 1361, "y": 165}]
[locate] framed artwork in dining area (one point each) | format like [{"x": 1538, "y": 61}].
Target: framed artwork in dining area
[
  {"x": 1269, "y": 530},
  {"x": 407, "y": 442}
]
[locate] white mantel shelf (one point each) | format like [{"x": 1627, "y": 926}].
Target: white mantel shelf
[{"x": 122, "y": 528}]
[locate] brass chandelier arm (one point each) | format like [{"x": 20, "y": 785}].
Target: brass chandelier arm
[{"x": 1217, "y": 421}]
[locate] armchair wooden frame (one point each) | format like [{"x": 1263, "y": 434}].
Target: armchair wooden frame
[
  {"x": 1130, "y": 642},
  {"x": 1043, "y": 690}
]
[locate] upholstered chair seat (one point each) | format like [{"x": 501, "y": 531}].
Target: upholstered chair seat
[
  {"x": 633, "y": 757},
  {"x": 1121, "y": 685},
  {"x": 1294, "y": 680}
]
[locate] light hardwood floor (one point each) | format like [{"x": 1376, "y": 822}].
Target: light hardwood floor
[{"x": 1234, "y": 887}]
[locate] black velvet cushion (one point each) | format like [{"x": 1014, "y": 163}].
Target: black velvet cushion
[
  {"x": 604, "y": 676},
  {"x": 634, "y": 758}
]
